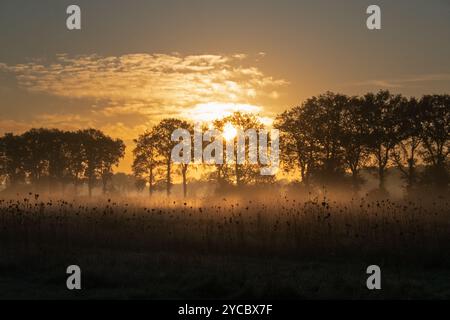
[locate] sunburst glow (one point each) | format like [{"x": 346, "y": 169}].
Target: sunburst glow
[
  {"x": 229, "y": 132},
  {"x": 211, "y": 111}
]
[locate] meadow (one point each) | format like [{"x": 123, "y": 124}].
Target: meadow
[{"x": 266, "y": 246}]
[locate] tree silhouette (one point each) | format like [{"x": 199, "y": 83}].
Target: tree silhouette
[
  {"x": 435, "y": 120},
  {"x": 36, "y": 160},
  {"x": 324, "y": 113},
  {"x": 332, "y": 134},
  {"x": 313, "y": 134},
  {"x": 59, "y": 157},
  {"x": 296, "y": 145},
  {"x": 112, "y": 151},
  {"x": 46, "y": 156},
  {"x": 245, "y": 173},
  {"x": 76, "y": 154},
  {"x": 146, "y": 158},
  {"x": 355, "y": 130},
  {"x": 163, "y": 133},
  {"x": 328, "y": 139},
  {"x": 383, "y": 129},
  {"x": 12, "y": 157},
  {"x": 100, "y": 154},
  {"x": 405, "y": 153}
]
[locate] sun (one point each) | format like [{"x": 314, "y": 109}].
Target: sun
[
  {"x": 229, "y": 132},
  {"x": 208, "y": 112}
]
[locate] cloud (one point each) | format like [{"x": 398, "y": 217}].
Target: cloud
[
  {"x": 403, "y": 82},
  {"x": 148, "y": 84},
  {"x": 125, "y": 95}
]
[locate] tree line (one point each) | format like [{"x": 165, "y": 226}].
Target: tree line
[
  {"x": 56, "y": 158},
  {"x": 329, "y": 139},
  {"x": 333, "y": 134},
  {"x": 153, "y": 161}
]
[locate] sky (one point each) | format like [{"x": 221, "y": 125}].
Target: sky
[{"x": 135, "y": 62}]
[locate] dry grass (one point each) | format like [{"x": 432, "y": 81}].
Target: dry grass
[
  {"x": 277, "y": 226},
  {"x": 396, "y": 233}
]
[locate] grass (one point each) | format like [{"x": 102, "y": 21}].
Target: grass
[{"x": 229, "y": 248}]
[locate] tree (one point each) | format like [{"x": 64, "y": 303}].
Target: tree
[
  {"x": 36, "y": 158},
  {"x": 101, "y": 153},
  {"x": 186, "y": 152},
  {"x": 76, "y": 155},
  {"x": 111, "y": 153},
  {"x": 46, "y": 155},
  {"x": 325, "y": 132},
  {"x": 244, "y": 173},
  {"x": 409, "y": 135},
  {"x": 324, "y": 137},
  {"x": 57, "y": 155},
  {"x": 36, "y": 155},
  {"x": 383, "y": 129},
  {"x": 355, "y": 129},
  {"x": 163, "y": 133},
  {"x": 12, "y": 154},
  {"x": 296, "y": 145},
  {"x": 90, "y": 139},
  {"x": 146, "y": 158},
  {"x": 435, "y": 120}
]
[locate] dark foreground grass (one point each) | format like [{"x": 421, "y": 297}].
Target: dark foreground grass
[
  {"x": 120, "y": 275},
  {"x": 278, "y": 249}
]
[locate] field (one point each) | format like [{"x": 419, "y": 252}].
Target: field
[{"x": 267, "y": 247}]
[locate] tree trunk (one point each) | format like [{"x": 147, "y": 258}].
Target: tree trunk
[
  {"x": 183, "y": 172},
  {"x": 381, "y": 167},
  {"x": 169, "y": 182},
  {"x": 150, "y": 183},
  {"x": 411, "y": 174},
  {"x": 302, "y": 174}
]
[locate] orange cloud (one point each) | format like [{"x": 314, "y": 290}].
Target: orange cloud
[
  {"x": 125, "y": 95},
  {"x": 141, "y": 83}
]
